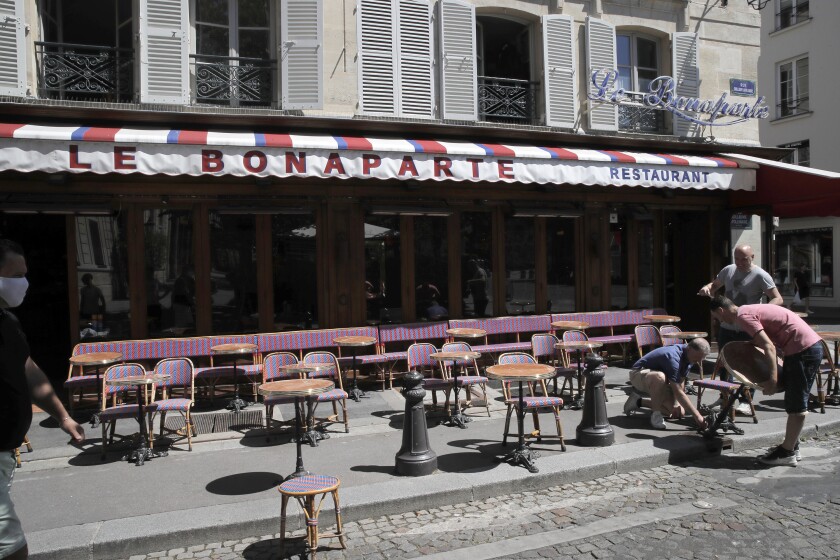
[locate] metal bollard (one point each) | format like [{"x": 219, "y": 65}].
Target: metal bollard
[
  {"x": 594, "y": 428},
  {"x": 415, "y": 457}
]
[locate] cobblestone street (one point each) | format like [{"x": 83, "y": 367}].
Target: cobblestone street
[{"x": 722, "y": 507}]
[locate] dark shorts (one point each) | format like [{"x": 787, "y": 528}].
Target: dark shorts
[{"x": 797, "y": 377}]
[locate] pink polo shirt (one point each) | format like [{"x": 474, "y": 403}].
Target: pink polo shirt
[{"x": 784, "y": 328}]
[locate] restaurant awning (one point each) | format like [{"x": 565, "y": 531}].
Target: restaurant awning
[
  {"x": 790, "y": 191},
  {"x": 80, "y": 149}
]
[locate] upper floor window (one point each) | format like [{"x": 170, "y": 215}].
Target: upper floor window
[
  {"x": 801, "y": 155},
  {"x": 792, "y": 87},
  {"x": 638, "y": 65},
  {"x": 791, "y": 12}
]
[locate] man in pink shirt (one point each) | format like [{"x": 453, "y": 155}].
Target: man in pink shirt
[{"x": 772, "y": 327}]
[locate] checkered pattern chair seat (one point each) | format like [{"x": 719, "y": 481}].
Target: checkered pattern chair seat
[
  {"x": 613, "y": 338},
  {"x": 333, "y": 395},
  {"x": 119, "y": 411},
  {"x": 310, "y": 483},
  {"x": 385, "y": 357},
  {"x": 169, "y": 405},
  {"x": 436, "y": 383},
  {"x": 539, "y": 402},
  {"x": 80, "y": 381},
  {"x": 716, "y": 384}
]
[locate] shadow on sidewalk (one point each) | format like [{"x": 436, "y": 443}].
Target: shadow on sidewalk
[{"x": 244, "y": 483}]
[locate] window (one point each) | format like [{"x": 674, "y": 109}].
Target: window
[
  {"x": 801, "y": 155},
  {"x": 638, "y": 65},
  {"x": 233, "y": 273},
  {"x": 793, "y": 87},
  {"x": 169, "y": 272},
  {"x": 431, "y": 267},
  {"x": 520, "y": 267},
  {"x": 812, "y": 248},
  {"x": 791, "y": 12},
  {"x": 476, "y": 263},
  {"x": 560, "y": 264},
  {"x": 383, "y": 269},
  {"x": 294, "y": 271}
]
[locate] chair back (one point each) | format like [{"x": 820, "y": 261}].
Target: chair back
[
  {"x": 419, "y": 355},
  {"x": 116, "y": 372},
  {"x": 327, "y": 358},
  {"x": 515, "y": 358},
  {"x": 273, "y": 361},
  {"x": 542, "y": 345},
  {"x": 827, "y": 364},
  {"x": 647, "y": 338},
  {"x": 667, "y": 329},
  {"x": 457, "y": 347},
  {"x": 180, "y": 372},
  {"x": 575, "y": 336}
]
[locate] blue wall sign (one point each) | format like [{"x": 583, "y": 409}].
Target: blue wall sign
[{"x": 745, "y": 88}]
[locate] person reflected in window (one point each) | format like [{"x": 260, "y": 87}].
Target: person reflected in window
[
  {"x": 802, "y": 287},
  {"x": 436, "y": 312},
  {"x": 91, "y": 304},
  {"x": 426, "y": 293},
  {"x": 477, "y": 286},
  {"x": 374, "y": 299},
  {"x": 183, "y": 298}
]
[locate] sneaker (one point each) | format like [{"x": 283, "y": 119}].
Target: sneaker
[
  {"x": 632, "y": 403},
  {"x": 744, "y": 409},
  {"x": 796, "y": 452},
  {"x": 779, "y": 456},
  {"x": 657, "y": 421}
]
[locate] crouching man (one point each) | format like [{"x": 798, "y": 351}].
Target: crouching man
[{"x": 661, "y": 374}]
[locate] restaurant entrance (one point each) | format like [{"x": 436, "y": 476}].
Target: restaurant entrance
[{"x": 687, "y": 255}]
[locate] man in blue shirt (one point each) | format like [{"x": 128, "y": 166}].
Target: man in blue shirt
[{"x": 661, "y": 374}]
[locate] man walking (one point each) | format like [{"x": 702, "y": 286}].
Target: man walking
[
  {"x": 21, "y": 383},
  {"x": 771, "y": 327}
]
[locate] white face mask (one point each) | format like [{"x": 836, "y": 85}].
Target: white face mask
[{"x": 13, "y": 290}]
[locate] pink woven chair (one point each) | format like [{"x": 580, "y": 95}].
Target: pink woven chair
[
  {"x": 544, "y": 351},
  {"x": 181, "y": 376},
  {"x": 419, "y": 358},
  {"x": 116, "y": 410},
  {"x": 337, "y": 396},
  {"x": 271, "y": 372},
  {"x": 467, "y": 381}
]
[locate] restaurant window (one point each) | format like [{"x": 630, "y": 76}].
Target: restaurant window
[
  {"x": 618, "y": 263},
  {"x": 560, "y": 264},
  {"x": 169, "y": 272},
  {"x": 294, "y": 271},
  {"x": 102, "y": 271},
  {"x": 801, "y": 154},
  {"x": 793, "y": 87},
  {"x": 383, "y": 269},
  {"x": 638, "y": 65},
  {"x": 431, "y": 268},
  {"x": 233, "y": 273},
  {"x": 791, "y": 12},
  {"x": 812, "y": 249},
  {"x": 645, "y": 298},
  {"x": 476, "y": 263},
  {"x": 519, "y": 265}
]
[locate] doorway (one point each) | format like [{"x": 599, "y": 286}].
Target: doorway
[{"x": 686, "y": 267}]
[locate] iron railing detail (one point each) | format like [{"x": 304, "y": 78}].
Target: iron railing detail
[
  {"x": 84, "y": 72},
  {"x": 506, "y": 100},
  {"x": 792, "y": 15},
  {"x": 636, "y": 117},
  {"x": 791, "y": 107},
  {"x": 234, "y": 81}
]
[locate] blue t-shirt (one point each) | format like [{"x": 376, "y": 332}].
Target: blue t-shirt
[{"x": 670, "y": 360}]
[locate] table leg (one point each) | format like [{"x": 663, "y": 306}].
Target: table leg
[
  {"x": 94, "y": 418},
  {"x": 237, "y": 403},
  {"x": 311, "y": 435},
  {"x": 458, "y": 418},
  {"x": 355, "y": 392},
  {"x": 522, "y": 455},
  {"x": 577, "y": 403},
  {"x": 299, "y": 470},
  {"x": 142, "y": 454}
]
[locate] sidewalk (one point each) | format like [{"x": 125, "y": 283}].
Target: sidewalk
[{"x": 74, "y": 506}]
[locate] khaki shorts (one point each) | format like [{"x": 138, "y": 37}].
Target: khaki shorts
[
  {"x": 638, "y": 379},
  {"x": 11, "y": 533}
]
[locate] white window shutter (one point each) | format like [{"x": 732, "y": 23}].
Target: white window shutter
[
  {"x": 377, "y": 57},
  {"x": 687, "y": 77},
  {"x": 459, "y": 97},
  {"x": 561, "y": 95},
  {"x": 600, "y": 55},
  {"x": 12, "y": 49},
  {"x": 301, "y": 54},
  {"x": 164, "y": 51},
  {"x": 414, "y": 65}
]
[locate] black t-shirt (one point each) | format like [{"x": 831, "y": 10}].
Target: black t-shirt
[{"x": 15, "y": 400}]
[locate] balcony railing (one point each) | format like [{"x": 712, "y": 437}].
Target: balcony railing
[
  {"x": 84, "y": 72},
  {"x": 636, "y": 117},
  {"x": 506, "y": 100},
  {"x": 223, "y": 80},
  {"x": 792, "y": 15},
  {"x": 791, "y": 107}
]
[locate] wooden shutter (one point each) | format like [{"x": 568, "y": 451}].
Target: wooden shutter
[
  {"x": 164, "y": 52},
  {"x": 414, "y": 79},
  {"x": 600, "y": 55},
  {"x": 12, "y": 49},
  {"x": 561, "y": 95},
  {"x": 458, "y": 63},
  {"x": 301, "y": 54},
  {"x": 687, "y": 77},
  {"x": 377, "y": 57}
]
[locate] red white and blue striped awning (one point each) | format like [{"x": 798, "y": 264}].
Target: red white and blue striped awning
[{"x": 82, "y": 149}]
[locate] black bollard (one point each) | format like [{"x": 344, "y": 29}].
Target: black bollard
[
  {"x": 415, "y": 458},
  {"x": 594, "y": 428}
]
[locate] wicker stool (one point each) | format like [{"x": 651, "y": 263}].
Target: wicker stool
[
  {"x": 304, "y": 489},
  {"x": 17, "y": 449}
]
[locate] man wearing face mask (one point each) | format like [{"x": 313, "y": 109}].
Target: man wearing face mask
[{"x": 21, "y": 383}]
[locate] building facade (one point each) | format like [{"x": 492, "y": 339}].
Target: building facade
[
  {"x": 798, "y": 42},
  {"x": 217, "y": 166}
]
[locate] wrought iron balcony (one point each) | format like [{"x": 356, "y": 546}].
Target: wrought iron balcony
[
  {"x": 636, "y": 117},
  {"x": 223, "y": 80},
  {"x": 791, "y": 107},
  {"x": 84, "y": 72},
  {"x": 506, "y": 100}
]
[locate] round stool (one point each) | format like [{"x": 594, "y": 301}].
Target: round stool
[{"x": 304, "y": 489}]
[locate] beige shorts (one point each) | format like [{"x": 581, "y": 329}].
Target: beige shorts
[
  {"x": 638, "y": 379},
  {"x": 11, "y": 533}
]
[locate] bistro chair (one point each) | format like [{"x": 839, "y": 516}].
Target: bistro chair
[
  {"x": 568, "y": 356},
  {"x": 305, "y": 489},
  {"x": 647, "y": 338},
  {"x": 727, "y": 388},
  {"x": 181, "y": 380},
  {"x": 544, "y": 351},
  {"x": 533, "y": 401},
  {"x": 467, "y": 381},
  {"x": 337, "y": 395},
  {"x": 418, "y": 357},
  {"x": 826, "y": 374},
  {"x": 17, "y": 450},
  {"x": 271, "y": 372},
  {"x": 113, "y": 407},
  {"x": 669, "y": 329}
]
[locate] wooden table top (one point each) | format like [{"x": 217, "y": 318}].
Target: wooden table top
[
  {"x": 685, "y": 335},
  {"x": 296, "y": 387},
  {"x": 578, "y": 345},
  {"x": 464, "y": 332},
  {"x": 134, "y": 380},
  {"x": 576, "y": 325},
  {"x": 455, "y": 355},
  {"x": 830, "y": 336},
  {"x": 521, "y": 372},
  {"x": 303, "y": 368},
  {"x": 96, "y": 359},
  {"x": 234, "y": 348},
  {"x": 354, "y": 340},
  {"x": 661, "y": 318}
]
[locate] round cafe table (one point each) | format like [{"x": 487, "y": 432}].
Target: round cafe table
[
  {"x": 458, "y": 418},
  {"x": 354, "y": 342},
  {"x": 95, "y": 360},
  {"x": 570, "y": 325},
  {"x": 311, "y": 435},
  {"x": 143, "y": 453},
  {"x": 685, "y": 335},
  {"x": 580, "y": 346},
  {"x": 665, "y": 319},
  {"x": 299, "y": 389},
  {"x": 235, "y": 349},
  {"x": 463, "y": 332},
  {"x": 521, "y": 373}
]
